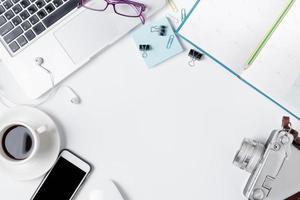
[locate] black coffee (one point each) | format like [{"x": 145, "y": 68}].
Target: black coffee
[{"x": 17, "y": 142}]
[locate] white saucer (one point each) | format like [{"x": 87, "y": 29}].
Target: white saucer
[{"x": 50, "y": 141}]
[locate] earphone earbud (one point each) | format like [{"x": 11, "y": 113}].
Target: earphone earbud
[
  {"x": 76, "y": 100},
  {"x": 39, "y": 61}
]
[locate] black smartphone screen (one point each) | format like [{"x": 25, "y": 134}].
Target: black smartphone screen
[{"x": 61, "y": 183}]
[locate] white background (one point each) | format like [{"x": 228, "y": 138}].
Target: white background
[{"x": 168, "y": 133}]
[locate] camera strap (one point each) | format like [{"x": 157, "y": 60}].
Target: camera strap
[
  {"x": 287, "y": 126},
  {"x": 294, "y": 197}
]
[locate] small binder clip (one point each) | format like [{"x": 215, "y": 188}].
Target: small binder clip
[
  {"x": 195, "y": 55},
  {"x": 162, "y": 30},
  {"x": 145, "y": 48}
]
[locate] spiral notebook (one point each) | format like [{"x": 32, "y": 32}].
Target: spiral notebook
[{"x": 255, "y": 40}]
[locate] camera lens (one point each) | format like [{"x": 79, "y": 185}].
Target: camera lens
[{"x": 249, "y": 155}]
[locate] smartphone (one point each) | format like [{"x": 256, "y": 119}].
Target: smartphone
[{"x": 64, "y": 179}]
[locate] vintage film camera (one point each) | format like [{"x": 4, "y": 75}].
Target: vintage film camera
[{"x": 274, "y": 166}]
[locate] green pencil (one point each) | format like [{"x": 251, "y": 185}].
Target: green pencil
[{"x": 269, "y": 34}]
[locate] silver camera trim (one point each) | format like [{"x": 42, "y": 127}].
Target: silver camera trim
[{"x": 264, "y": 162}]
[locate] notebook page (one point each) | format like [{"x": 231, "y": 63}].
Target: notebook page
[
  {"x": 231, "y": 30},
  {"x": 276, "y": 70}
]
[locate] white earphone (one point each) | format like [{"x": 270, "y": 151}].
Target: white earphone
[
  {"x": 75, "y": 99},
  {"x": 39, "y": 61}
]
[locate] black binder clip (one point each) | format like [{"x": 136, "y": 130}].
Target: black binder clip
[
  {"x": 195, "y": 55},
  {"x": 162, "y": 30},
  {"x": 144, "y": 48}
]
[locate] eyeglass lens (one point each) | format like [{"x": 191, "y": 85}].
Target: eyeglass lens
[{"x": 128, "y": 9}]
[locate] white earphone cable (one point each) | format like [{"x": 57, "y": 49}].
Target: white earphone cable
[{"x": 6, "y": 101}]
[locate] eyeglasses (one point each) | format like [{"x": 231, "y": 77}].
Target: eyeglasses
[{"x": 124, "y": 8}]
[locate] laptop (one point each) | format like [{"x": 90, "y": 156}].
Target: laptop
[{"x": 65, "y": 36}]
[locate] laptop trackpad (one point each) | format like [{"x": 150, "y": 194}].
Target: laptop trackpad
[{"x": 86, "y": 34}]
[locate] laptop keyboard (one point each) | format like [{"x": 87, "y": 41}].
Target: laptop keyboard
[{"x": 21, "y": 21}]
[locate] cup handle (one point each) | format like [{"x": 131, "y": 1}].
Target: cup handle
[{"x": 42, "y": 129}]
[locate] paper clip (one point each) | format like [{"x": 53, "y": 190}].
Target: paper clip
[
  {"x": 170, "y": 41},
  {"x": 183, "y": 14},
  {"x": 195, "y": 55},
  {"x": 173, "y": 6},
  {"x": 173, "y": 18},
  {"x": 162, "y": 30},
  {"x": 144, "y": 48}
]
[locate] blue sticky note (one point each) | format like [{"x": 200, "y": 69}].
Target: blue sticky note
[{"x": 160, "y": 51}]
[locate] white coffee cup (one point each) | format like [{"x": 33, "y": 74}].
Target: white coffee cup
[{"x": 33, "y": 132}]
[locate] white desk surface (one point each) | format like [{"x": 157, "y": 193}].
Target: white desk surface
[{"x": 161, "y": 134}]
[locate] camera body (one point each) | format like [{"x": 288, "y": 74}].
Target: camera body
[{"x": 266, "y": 162}]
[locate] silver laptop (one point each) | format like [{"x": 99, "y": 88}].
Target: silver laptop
[{"x": 65, "y": 36}]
